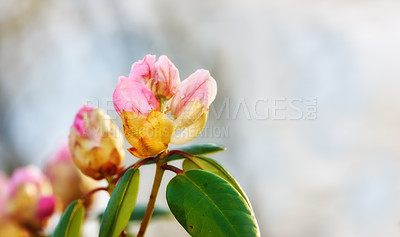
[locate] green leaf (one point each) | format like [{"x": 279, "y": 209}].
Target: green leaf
[
  {"x": 206, "y": 148},
  {"x": 138, "y": 213},
  {"x": 120, "y": 205},
  {"x": 198, "y": 149},
  {"x": 208, "y": 164},
  {"x": 207, "y": 205},
  {"x": 71, "y": 221}
]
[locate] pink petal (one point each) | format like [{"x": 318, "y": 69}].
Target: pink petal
[
  {"x": 143, "y": 70},
  {"x": 199, "y": 86},
  {"x": 131, "y": 95},
  {"x": 167, "y": 77},
  {"x": 27, "y": 174},
  {"x": 79, "y": 122}
]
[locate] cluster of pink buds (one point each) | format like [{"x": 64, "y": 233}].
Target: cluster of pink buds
[
  {"x": 30, "y": 196},
  {"x": 157, "y": 109}
]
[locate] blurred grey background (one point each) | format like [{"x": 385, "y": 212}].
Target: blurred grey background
[{"x": 336, "y": 174}]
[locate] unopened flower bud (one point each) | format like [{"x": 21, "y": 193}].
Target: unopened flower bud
[
  {"x": 152, "y": 90},
  {"x": 68, "y": 182},
  {"x": 96, "y": 143},
  {"x": 29, "y": 197}
]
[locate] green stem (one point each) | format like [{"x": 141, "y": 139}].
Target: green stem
[
  {"x": 161, "y": 104},
  {"x": 153, "y": 197},
  {"x": 111, "y": 185}
]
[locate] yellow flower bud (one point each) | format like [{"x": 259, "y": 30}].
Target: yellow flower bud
[{"x": 96, "y": 143}]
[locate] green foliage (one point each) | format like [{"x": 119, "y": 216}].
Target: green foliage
[
  {"x": 205, "y": 148},
  {"x": 138, "y": 213},
  {"x": 71, "y": 221},
  {"x": 120, "y": 205},
  {"x": 208, "y": 164},
  {"x": 207, "y": 205}
]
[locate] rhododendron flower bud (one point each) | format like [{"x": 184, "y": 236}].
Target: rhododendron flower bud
[
  {"x": 146, "y": 129},
  {"x": 190, "y": 105},
  {"x": 29, "y": 197},
  {"x": 139, "y": 100},
  {"x": 96, "y": 143},
  {"x": 161, "y": 77},
  {"x": 68, "y": 182}
]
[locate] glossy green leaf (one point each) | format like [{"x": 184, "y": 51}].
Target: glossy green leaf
[
  {"x": 71, "y": 221},
  {"x": 208, "y": 164},
  {"x": 201, "y": 149},
  {"x": 120, "y": 205},
  {"x": 207, "y": 205}
]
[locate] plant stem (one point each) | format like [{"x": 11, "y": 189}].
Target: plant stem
[
  {"x": 136, "y": 165},
  {"x": 153, "y": 197},
  {"x": 93, "y": 191},
  {"x": 180, "y": 152},
  {"x": 174, "y": 169},
  {"x": 111, "y": 185}
]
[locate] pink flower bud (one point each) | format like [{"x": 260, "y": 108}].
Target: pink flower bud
[
  {"x": 133, "y": 96},
  {"x": 29, "y": 197},
  {"x": 146, "y": 129},
  {"x": 67, "y": 181},
  {"x": 199, "y": 87},
  {"x": 161, "y": 77},
  {"x": 96, "y": 143}
]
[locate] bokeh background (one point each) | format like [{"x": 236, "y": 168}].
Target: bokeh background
[{"x": 336, "y": 174}]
